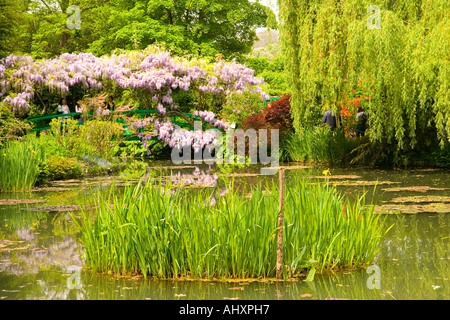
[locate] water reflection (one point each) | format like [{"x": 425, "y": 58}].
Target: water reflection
[{"x": 35, "y": 254}]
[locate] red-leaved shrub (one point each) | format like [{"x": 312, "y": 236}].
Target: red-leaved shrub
[{"x": 277, "y": 115}]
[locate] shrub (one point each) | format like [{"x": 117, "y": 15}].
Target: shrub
[
  {"x": 102, "y": 136},
  {"x": 95, "y": 137},
  {"x": 240, "y": 107},
  {"x": 10, "y": 126},
  {"x": 319, "y": 144},
  {"x": 61, "y": 167},
  {"x": 277, "y": 115}
]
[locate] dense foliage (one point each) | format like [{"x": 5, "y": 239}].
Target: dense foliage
[
  {"x": 329, "y": 48},
  {"x": 272, "y": 70},
  {"x": 20, "y": 165},
  {"x": 48, "y": 28},
  {"x": 8, "y": 21},
  {"x": 276, "y": 115}
]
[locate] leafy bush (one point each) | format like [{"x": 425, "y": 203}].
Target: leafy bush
[
  {"x": 10, "y": 126},
  {"x": 272, "y": 72},
  {"x": 240, "y": 107},
  {"x": 96, "y": 137},
  {"x": 102, "y": 136},
  {"x": 277, "y": 115},
  {"x": 68, "y": 136},
  {"x": 130, "y": 148},
  {"x": 61, "y": 167},
  {"x": 320, "y": 144}
]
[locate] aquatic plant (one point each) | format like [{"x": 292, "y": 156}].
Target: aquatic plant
[
  {"x": 319, "y": 144},
  {"x": 173, "y": 233},
  {"x": 20, "y": 163}
]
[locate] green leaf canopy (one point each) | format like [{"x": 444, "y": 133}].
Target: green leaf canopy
[{"x": 330, "y": 45}]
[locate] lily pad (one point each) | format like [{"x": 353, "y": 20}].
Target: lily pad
[
  {"x": 10, "y": 245},
  {"x": 11, "y": 202},
  {"x": 415, "y": 189},
  {"x": 335, "y": 177},
  {"x": 240, "y": 175},
  {"x": 172, "y": 168},
  {"x": 51, "y": 189},
  {"x": 362, "y": 183},
  {"x": 290, "y": 167},
  {"x": 420, "y": 199},
  {"x": 60, "y": 208},
  {"x": 70, "y": 181},
  {"x": 413, "y": 208}
]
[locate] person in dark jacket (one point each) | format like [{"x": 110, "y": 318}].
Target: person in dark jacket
[
  {"x": 110, "y": 105},
  {"x": 361, "y": 122},
  {"x": 329, "y": 119}
]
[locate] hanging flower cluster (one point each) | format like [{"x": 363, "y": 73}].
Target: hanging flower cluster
[
  {"x": 176, "y": 137},
  {"x": 209, "y": 117}
]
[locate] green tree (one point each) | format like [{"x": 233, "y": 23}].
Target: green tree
[
  {"x": 185, "y": 26},
  {"x": 226, "y": 26},
  {"x": 44, "y": 30},
  {"x": 329, "y": 47},
  {"x": 9, "y": 17}
]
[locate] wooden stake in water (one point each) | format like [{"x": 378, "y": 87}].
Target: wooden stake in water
[{"x": 280, "y": 224}]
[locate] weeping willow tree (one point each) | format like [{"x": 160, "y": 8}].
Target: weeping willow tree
[{"x": 329, "y": 46}]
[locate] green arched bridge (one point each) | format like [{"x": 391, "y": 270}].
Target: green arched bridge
[{"x": 42, "y": 123}]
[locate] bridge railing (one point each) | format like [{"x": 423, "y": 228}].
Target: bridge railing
[
  {"x": 270, "y": 100},
  {"x": 42, "y": 123}
]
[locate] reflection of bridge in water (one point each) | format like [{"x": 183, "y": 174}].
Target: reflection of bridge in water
[{"x": 42, "y": 123}]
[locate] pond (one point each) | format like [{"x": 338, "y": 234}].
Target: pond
[{"x": 39, "y": 241}]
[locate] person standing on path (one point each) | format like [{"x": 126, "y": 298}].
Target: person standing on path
[
  {"x": 329, "y": 119},
  {"x": 63, "y": 108},
  {"x": 361, "y": 122},
  {"x": 110, "y": 104}
]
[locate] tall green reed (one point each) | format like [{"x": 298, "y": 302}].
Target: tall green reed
[
  {"x": 319, "y": 144},
  {"x": 20, "y": 165},
  {"x": 157, "y": 231}
]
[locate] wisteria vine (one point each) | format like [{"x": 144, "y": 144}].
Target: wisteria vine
[{"x": 159, "y": 74}]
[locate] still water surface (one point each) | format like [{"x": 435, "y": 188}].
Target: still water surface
[{"x": 37, "y": 247}]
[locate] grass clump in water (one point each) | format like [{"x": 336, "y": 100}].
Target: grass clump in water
[
  {"x": 156, "y": 231},
  {"x": 20, "y": 165}
]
